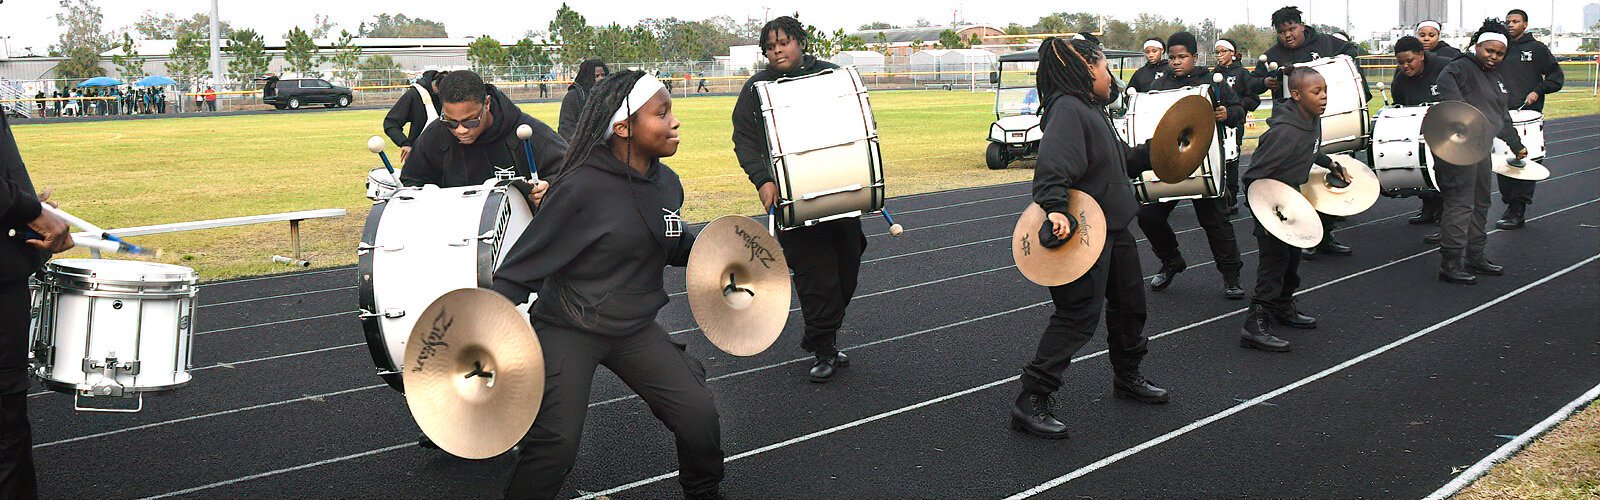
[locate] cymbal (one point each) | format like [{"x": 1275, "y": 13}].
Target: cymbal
[
  {"x": 1529, "y": 171},
  {"x": 1182, "y": 139},
  {"x": 1285, "y": 213},
  {"x": 1065, "y": 263},
  {"x": 474, "y": 373},
  {"x": 1457, "y": 133},
  {"x": 738, "y": 285},
  {"x": 1359, "y": 196}
]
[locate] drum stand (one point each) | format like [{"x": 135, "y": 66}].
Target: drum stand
[{"x": 106, "y": 384}]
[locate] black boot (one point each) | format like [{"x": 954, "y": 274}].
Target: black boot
[
  {"x": 1332, "y": 246},
  {"x": 824, "y": 367},
  {"x": 1290, "y": 315},
  {"x": 1482, "y": 266},
  {"x": 1132, "y": 385},
  {"x": 1513, "y": 218},
  {"x": 1168, "y": 271},
  {"x": 1231, "y": 288},
  {"x": 1453, "y": 271},
  {"x": 1432, "y": 239},
  {"x": 1031, "y": 414},
  {"x": 1425, "y": 216},
  {"x": 1257, "y": 333}
]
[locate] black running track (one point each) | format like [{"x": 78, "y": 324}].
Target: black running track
[{"x": 1407, "y": 379}]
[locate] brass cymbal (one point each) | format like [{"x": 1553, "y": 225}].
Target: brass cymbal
[
  {"x": 1359, "y": 196},
  {"x": 1065, "y": 263},
  {"x": 1285, "y": 213},
  {"x": 738, "y": 285},
  {"x": 1457, "y": 133},
  {"x": 474, "y": 373},
  {"x": 1182, "y": 139},
  {"x": 1529, "y": 171}
]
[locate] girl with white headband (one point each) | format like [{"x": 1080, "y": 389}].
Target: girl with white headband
[
  {"x": 1236, "y": 78},
  {"x": 595, "y": 254},
  {"x": 1155, "y": 65},
  {"x": 1428, "y": 32}
]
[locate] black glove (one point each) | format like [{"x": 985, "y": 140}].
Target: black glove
[
  {"x": 1047, "y": 234},
  {"x": 1335, "y": 178}
]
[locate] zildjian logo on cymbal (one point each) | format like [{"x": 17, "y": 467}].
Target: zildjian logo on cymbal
[
  {"x": 1083, "y": 228},
  {"x": 757, "y": 252},
  {"x": 1027, "y": 247},
  {"x": 434, "y": 342}
]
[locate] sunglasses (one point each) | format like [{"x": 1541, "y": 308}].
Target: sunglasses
[{"x": 470, "y": 124}]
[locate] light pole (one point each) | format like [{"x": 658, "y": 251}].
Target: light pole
[{"x": 216, "y": 45}]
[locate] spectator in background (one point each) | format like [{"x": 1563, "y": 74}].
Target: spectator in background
[
  {"x": 39, "y": 101},
  {"x": 702, "y": 87},
  {"x": 211, "y": 98},
  {"x": 161, "y": 102},
  {"x": 199, "y": 101},
  {"x": 56, "y": 95}
]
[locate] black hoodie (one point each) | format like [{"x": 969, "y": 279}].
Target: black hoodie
[
  {"x": 749, "y": 134},
  {"x": 1316, "y": 46},
  {"x": 1443, "y": 49},
  {"x": 596, "y": 248},
  {"x": 1238, "y": 79},
  {"x": 1202, "y": 76},
  {"x": 409, "y": 109},
  {"x": 1080, "y": 150},
  {"x": 438, "y": 158},
  {"x": 1291, "y": 144},
  {"x": 1147, "y": 75},
  {"x": 571, "y": 107},
  {"x": 1421, "y": 89},
  {"x": 1465, "y": 80},
  {"x": 1529, "y": 67},
  {"x": 18, "y": 207}
]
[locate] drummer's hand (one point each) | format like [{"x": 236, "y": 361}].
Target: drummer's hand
[
  {"x": 1272, "y": 82},
  {"x": 1221, "y": 113},
  {"x": 1063, "y": 225},
  {"x": 769, "y": 195},
  {"x": 1522, "y": 153},
  {"x": 404, "y": 152},
  {"x": 57, "y": 238},
  {"x": 45, "y": 198},
  {"x": 1340, "y": 171},
  {"x": 1532, "y": 97},
  {"x": 536, "y": 195}
]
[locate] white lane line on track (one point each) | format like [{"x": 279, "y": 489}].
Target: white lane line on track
[
  {"x": 858, "y": 422},
  {"x": 1117, "y": 457},
  {"x": 1504, "y": 451},
  {"x": 315, "y": 397},
  {"x": 283, "y": 296}
]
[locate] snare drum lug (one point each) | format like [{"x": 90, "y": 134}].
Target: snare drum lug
[
  {"x": 462, "y": 243},
  {"x": 487, "y": 236},
  {"x": 391, "y": 313}
]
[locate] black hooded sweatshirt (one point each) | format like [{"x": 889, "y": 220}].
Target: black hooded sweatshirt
[
  {"x": 1465, "y": 80},
  {"x": 571, "y": 107},
  {"x": 749, "y": 133},
  {"x": 1147, "y": 75},
  {"x": 1291, "y": 144},
  {"x": 1529, "y": 67},
  {"x": 1443, "y": 49},
  {"x": 1421, "y": 89},
  {"x": 18, "y": 207},
  {"x": 1316, "y": 46},
  {"x": 1202, "y": 76},
  {"x": 1081, "y": 150},
  {"x": 409, "y": 109},
  {"x": 1238, "y": 79},
  {"x": 439, "y": 159},
  {"x": 596, "y": 248}
]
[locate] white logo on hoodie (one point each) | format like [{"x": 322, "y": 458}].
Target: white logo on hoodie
[
  {"x": 1434, "y": 89},
  {"x": 673, "y": 223},
  {"x": 1527, "y": 55}
]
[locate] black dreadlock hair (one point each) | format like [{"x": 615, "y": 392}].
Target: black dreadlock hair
[
  {"x": 1491, "y": 25},
  {"x": 462, "y": 86},
  {"x": 585, "y": 77},
  {"x": 1064, "y": 70},
  {"x": 1408, "y": 44},
  {"x": 789, "y": 26},
  {"x": 595, "y": 118},
  {"x": 1290, "y": 14}
]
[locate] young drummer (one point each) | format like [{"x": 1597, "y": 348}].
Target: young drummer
[
  {"x": 1291, "y": 144},
  {"x": 1413, "y": 85},
  {"x": 1155, "y": 65},
  {"x": 1530, "y": 72},
  {"x": 1082, "y": 151},
  {"x": 1428, "y": 32},
  {"x": 1238, "y": 79},
  {"x": 607, "y": 228},
  {"x": 1184, "y": 70},
  {"x": 476, "y": 135}
]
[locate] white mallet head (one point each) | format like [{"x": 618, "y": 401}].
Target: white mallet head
[
  {"x": 1216, "y": 78},
  {"x": 524, "y": 131},
  {"x": 375, "y": 144},
  {"x": 1263, "y": 58},
  {"x": 896, "y": 229},
  {"x": 1382, "y": 86}
]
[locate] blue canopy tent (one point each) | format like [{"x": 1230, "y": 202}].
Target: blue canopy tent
[
  {"x": 101, "y": 81},
  {"x": 154, "y": 81}
]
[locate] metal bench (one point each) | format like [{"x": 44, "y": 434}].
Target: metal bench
[{"x": 293, "y": 218}]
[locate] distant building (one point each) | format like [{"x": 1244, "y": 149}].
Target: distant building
[
  {"x": 1591, "y": 16},
  {"x": 900, "y": 40},
  {"x": 1416, "y": 11}
]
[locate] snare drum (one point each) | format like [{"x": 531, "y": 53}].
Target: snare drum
[
  {"x": 823, "y": 142},
  {"x": 114, "y": 327},
  {"x": 1345, "y": 120},
  {"x": 1144, "y": 113},
  {"x": 1400, "y": 158},
  {"x": 382, "y": 184},
  {"x": 1530, "y": 127},
  {"x": 423, "y": 242}
]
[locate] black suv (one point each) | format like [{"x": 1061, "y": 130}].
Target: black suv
[{"x": 295, "y": 93}]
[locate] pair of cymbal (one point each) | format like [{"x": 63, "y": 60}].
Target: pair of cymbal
[
  {"x": 1457, "y": 133},
  {"x": 1068, "y": 262},
  {"x": 1353, "y": 199},
  {"x": 1525, "y": 169},
  {"x": 1182, "y": 139},
  {"x": 1284, "y": 211}
]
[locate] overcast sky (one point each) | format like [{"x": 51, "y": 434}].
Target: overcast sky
[{"x": 31, "y": 22}]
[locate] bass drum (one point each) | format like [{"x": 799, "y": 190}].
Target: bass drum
[
  {"x": 424, "y": 242},
  {"x": 1144, "y": 113},
  {"x": 1346, "y": 120},
  {"x": 1400, "y": 158}
]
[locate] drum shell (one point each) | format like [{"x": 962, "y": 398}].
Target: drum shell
[
  {"x": 823, "y": 143},
  {"x": 381, "y": 183},
  {"x": 85, "y": 315},
  {"x": 1530, "y": 128},
  {"x": 1144, "y": 113},
  {"x": 1400, "y": 157},
  {"x": 1346, "y": 119}
]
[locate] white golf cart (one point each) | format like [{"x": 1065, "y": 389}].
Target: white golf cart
[{"x": 1015, "y": 133}]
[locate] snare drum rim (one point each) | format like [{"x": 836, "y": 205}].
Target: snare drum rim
[{"x": 78, "y": 273}]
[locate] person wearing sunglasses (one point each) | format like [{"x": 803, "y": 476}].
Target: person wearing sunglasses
[{"x": 476, "y": 136}]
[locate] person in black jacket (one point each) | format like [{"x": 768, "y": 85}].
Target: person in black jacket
[
  {"x": 1155, "y": 65},
  {"x": 590, "y": 72},
  {"x": 1415, "y": 84},
  {"x": 1530, "y": 72},
  {"x": 1238, "y": 79},
  {"x": 1428, "y": 34},
  {"x": 477, "y": 136},
  {"x": 1286, "y": 151},
  {"x": 20, "y": 210},
  {"x": 826, "y": 257},
  {"x": 1474, "y": 79},
  {"x": 1185, "y": 71},
  {"x": 1081, "y": 150},
  {"x": 419, "y": 106},
  {"x": 608, "y": 228}
]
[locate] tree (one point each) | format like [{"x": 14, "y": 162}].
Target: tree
[
  {"x": 188, "y": 61},
  {"x": 1155, "y": 26},
  {"x": 882, "y": 42},
  {"x": 1016, "y": 29},
  {"x": 400, "y": 26},
  {"x": 487, "y": 56},
  {"x": 321, "y": 26},
  {"x": 81, "y": 40},
  {"x": 81, "y": 63},
  {"x": 570, "y": 31},
  {"x": 922, "y": 22},
  {"x": 948, "y": 39},
  {"x": 167, "y": 26},
  {"x": 130, "y": 66},
  {"x": 878, "y": 25},
  {"x": 381, "y": 70},
  {"x": 1250, "y": 40},
  {"x": 1063, "y": 22},
  {"x": 526, "y": 59},
  {"x": 300, "y": 51},
  {"x": 1118, "y": 35},
  {"x": 843, "y": 42},
  {"x": 250, "y": 58},
  {"x": 346, "y": 58}
]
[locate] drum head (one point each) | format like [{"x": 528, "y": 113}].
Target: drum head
[{"x": 112, "y": 270}]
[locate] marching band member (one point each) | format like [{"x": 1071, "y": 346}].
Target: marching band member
[
  {"x": 590, "y": 71},
  {"x": 610, "y": 225},
  {"x": 1474, "y": 79},
  {"x": 1413, "y": 85},
  {"x": 826, "y": 257},
  {"x": 1530, "y": 72},
  {"x": 477, "y": 135},
  {"x": 1184, "y": 70},
  {"x": 1428, "y": 32},
  {"x": 419, "y": 106},
  {"x": 1155, "y": 65},
  {"x": 1082, "y": 151},
  {"x": 1238, "y": 80},
  {"x": 1291, "y": 144}
]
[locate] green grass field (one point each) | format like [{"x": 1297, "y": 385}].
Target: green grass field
[{"x": 141, "y": 172}]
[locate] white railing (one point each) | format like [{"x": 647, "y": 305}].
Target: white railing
[{"x": 20, "y": 108}]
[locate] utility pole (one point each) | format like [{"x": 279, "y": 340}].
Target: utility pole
[{"x": 216, "y": 45}]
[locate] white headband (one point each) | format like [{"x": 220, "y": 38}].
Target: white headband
[
  {"x": 1152, "y": 43},
  {"x": 1491, "y": 37},
  {"x": 1430, "y": 24},
  {"x": 1226, "y": 45},
  {"x": 1078, "y": 36},
  {"x": 643, "y": 90}
]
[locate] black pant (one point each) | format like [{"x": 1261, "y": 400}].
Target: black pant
[
  {"x": 1213, "y": 216},
  {"x": 1465, "y": 190},
  {"x": 826, "y": 260},
  {"x": 1432, "y": 204},
  {"x": 1516, "y": 190},
  {"x": 666, "y": 377},
  {"x": 16, "y": 435},
  {"x": 1116, "y": 281},
  {"x": 1277, "y": 272}
]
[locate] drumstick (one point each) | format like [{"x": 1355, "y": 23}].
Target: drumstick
[
  {"x": 82, "y": 224},
  {"x": 525, "y": 133},
  {"x": 375, "y": 144},
  {"x": 90, "y": 243},
  {"x": 894, "y": 229},
  {"x": 772, "y": 218},
  {"x": 1216, "y": 90}
]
